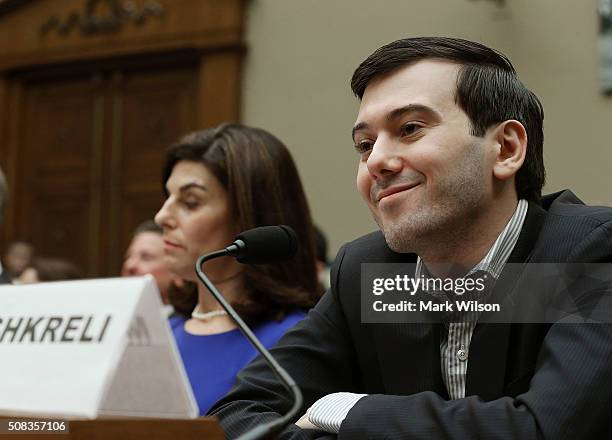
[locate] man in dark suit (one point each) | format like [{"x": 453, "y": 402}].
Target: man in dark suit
[
  {"x": 4, "y": 278},
  {"x": 450, "y": 146}
]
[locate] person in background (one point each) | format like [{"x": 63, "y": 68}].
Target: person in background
[
  {"x": 17, "y": 257},
  {"x": 219, "y": 182},
  {"x": 43, "y": 269},
  {"x": 145, "y": 255},
  {"x": 4, "y": 277}
]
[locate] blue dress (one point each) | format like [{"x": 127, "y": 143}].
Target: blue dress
[{"x": 213, "y": 361}]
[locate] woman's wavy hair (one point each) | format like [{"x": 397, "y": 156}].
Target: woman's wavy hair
[{"x": 264, "y": 188}]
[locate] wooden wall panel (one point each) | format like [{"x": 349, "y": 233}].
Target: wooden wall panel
[
  {"x": 157, "y": 107},
  {"x": 8, "y": 153},
  {"x": 57, "y": 178},
  {"x": 4, "y": 87},
  {"x": 137, "y": 206},
  {"x": 3, "y": 148},
  {"x": 153, "y": 109},
  {"x": 61, "y": 227},
  {"x": 57, "y": 127},
  {"x": 197, "y": 24},
  {"x": 86, "y": 117},
  {"x": 218, "y": 96}
]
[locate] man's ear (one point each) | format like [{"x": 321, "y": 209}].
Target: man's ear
[{"x": 512, "y": 147}]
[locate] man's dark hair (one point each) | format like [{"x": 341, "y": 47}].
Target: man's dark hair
[
  {"x": 55, "y": 269},
  {"x": 148, "y": 226},
  {"x": 488, "y": 90}
]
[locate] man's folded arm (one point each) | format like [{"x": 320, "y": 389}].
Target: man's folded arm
[
  {"x": 567, "y": 399},
  {"x": 317, "y": 353}
]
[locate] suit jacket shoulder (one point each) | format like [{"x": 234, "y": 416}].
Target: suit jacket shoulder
[{"x": 573, "y": 232}]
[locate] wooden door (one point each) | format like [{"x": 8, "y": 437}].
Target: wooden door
[
  {"x": 91, "y": 94},
  {"x": 151, "y": 109},
  {"x": 59, "y": 140},
  {"x": 90, "y": 157}
]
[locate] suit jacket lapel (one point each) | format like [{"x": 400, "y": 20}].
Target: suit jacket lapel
[
  {"x": 409, "y": 357},
  {"x": 486, "y": 373}
]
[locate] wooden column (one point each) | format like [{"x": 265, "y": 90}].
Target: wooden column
[{"x": 218, "y": 96}]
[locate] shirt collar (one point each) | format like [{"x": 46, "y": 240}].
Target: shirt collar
[{"x": 497, "y": 256}]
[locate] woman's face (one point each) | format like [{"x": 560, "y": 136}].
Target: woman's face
[{"x": 195, "y": 217}]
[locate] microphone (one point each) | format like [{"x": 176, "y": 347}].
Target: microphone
[{"x": 266, "y": 244}]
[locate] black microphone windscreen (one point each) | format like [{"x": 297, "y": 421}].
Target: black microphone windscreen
[{"x": 267, "y": 244}]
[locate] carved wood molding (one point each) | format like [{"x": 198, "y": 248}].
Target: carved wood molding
[{"x": 88, "y": 22}]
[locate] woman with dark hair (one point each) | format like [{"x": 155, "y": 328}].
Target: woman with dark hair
[{"x": 219, "y": 182}]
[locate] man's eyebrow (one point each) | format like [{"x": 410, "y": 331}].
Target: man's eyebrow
[
  {"x": 397, "y": 113},
  {"x": 401, "y": 111}
]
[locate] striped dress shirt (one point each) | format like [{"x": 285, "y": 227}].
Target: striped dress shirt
[{"x": 329, "y": 412}]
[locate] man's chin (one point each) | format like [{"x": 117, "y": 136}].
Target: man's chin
[{"x": 400, "y": 240}]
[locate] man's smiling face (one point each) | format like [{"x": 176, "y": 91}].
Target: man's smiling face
[{"x": 421, "y": 171}]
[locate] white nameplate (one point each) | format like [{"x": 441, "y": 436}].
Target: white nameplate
[{"x": 87, "y": 349}]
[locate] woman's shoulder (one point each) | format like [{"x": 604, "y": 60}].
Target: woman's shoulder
[
  {"x": 175, "y": 320},
  {"x": 274, "y": 328}
]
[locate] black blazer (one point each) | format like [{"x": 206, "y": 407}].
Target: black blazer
[{"x": 524, "y": 381}]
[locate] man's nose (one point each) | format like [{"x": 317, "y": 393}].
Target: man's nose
[{"x": 384, "y": 159}]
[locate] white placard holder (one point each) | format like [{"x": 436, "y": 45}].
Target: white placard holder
[{"x": 90, "y": 349}]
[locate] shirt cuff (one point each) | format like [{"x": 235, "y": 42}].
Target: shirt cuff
[{"x": 329, "y": 411}]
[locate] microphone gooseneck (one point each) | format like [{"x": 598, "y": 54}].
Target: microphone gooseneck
[{"x": 261, "y": 245}]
